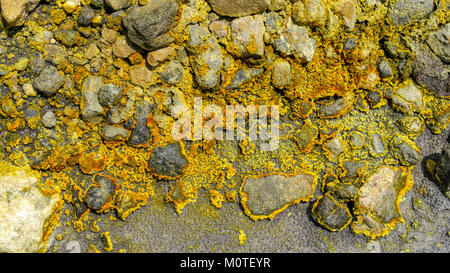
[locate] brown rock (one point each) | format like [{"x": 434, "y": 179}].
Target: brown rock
[
  {"x": 237, "y": 8},
  {"x": 156, "y": 57}
]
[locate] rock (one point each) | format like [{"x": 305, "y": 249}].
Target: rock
[
  {"x": 439, "y": 42},
  {"x": 238, "y": 8},
  {"x": 346, "y": 9},
  {"x": 167, "y": 161},
  {"x": 314, "y": 13},
  {"x": 411, "y": 125},
  {"x": 86, "y": 15},
  {"x": 91, "y": 110},
  {"x": 208, "y": 63},
  {"x": 141, "y": 133},
  {"x": 335, "y": 147},
  {"x": 377, "y": 147},
  {"x": 25, "y": 211},
  {"x": 430, "y": 72},
  {"x": 342, "y": 191},
  {"x": 122, "y": 49},
  {"x": 357, "y": 139},
  {"x": 385, "y": 70},
  {"x": 334, "y": 109},
  {"x": 114, "y": 133},
  {"x": 408, "y": 98},
  {"x": 409, "y": 153},
  {"x": 247, "y": 36},
  {"x": 56, "y": 54},
  {"x": 219, "y": 28},
  {"x": 172, "y": 73},
  {"x": 49, "y": 120},
  {"x": 305, "y": 138},
  {"x": 443, "y": 169},
  {"x": 331, "y": 213},
  {"x": 266, "y": 196},
  {"x": 281, "y": 73},
  {"x": 156, "y": 57},
  {"x": 15, "y": 12},
  {"x": 109, "y": 95},
  {"x": 349, "y": 44},
  {"x": 141, "y": 76},
  {"x": 294, "y": 40},
  {"x": 92, "y": 51},
  {"x": 97, "y": 3},
  {"x": 69, "y": 6},
  {"x": 100, "y": 193},
  {"x": 118, "y": 4},
  {"x": 109, "y": 35},
  {"x": 49, "y": 81},
  {"x": 148, "y": 26},
  {"x": 244, "y": 76},
  {"x": 404, "y": 12},
  {"x": 381, "y": 193},
  {"x": 67, "y": 37}
]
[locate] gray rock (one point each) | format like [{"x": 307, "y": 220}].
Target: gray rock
[
  {"x": 86, "y": 15},
  {"x": 247, "y": 36},
  {"x": 49, "y": 81},
  {"x": 343, "y": 191},
  {"x": 172, "y": 73},
  {"x": 244, "y": 76},
  {"x": 91, "y": 110},
  {"x": 377, "y": 147},
  {"x": 37, "y": 65},
  {"x": 334, "y": 108},
  {"x": 439, "y": 42},
  {"x": 404, "y": 12},
  {"x": 384, "y": 68},
  {"x": 294, "y": 40},
  {"x": 430, "y": 72},
  {"x": 443, "y": 169},
  {"x": 109, "y": 95},
  {"x": 56, "y": 54},
  {"x": 167, "y": 161},
  {"x": 114, "y": 133},
  {"x": 409, "y": 154},
  {"x": 118, "y": 4},
  {"x": 97, "y": 3},
  {"x": 353, "y": 168},
  {"x": 100, "y": 193},
  {"x": 270, "y": 193},
  {"x": 331, "y": 213},
  {"x": 49, "y": 119},
  {"x": 349, "y": 44},
  {"x": 238, "y": 8},
  {"x": 208, "y": 64},
  {"x": 148, "y": 26},
  {"x": 141, "y": 134},
  {"x": 281, "y": 74},
  {"x": 408, "y": 98}
]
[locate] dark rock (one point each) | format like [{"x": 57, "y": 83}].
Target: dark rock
[
  {"x": 97, "y": 3},
  {"x": 49, "y": 81},
  {"x": 100, "y": 193},
  {"x": 167, "y": 161},
  {"x": 343, "y": 191},
  {"x": 409, "y": 154},
  {"x": 331, "y": 213},
  {"x": 244, "y": 76},
  {"x": 148, "y": 26},
  {"x": 430, "y": 72},
  {"x": 141, "y": 134},
  {"x": 443, "y": 169},
  {"x": 86, "y": 15},
  {"x": 37, "y": 65}
]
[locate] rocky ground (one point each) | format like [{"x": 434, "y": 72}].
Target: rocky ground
[{"x": 89, "y": 159}]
